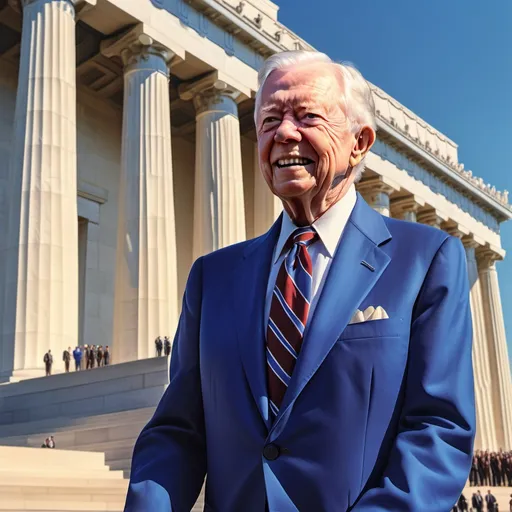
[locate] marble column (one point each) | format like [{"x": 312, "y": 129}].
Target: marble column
[
  {"x": 219, "y": 211},
  {"x": 406, "y": 208},
  {"x": 376, "y": 192},
  {"x": 486, "y": 429},
  {"x": 40, "y": 292},
  {"x": 497, "y": 344},
  {"x": 146, "y": 304},
  {"x": 267, "y": 206}
]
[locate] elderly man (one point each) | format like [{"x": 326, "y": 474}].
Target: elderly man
[{"x": 313, "y": 367}]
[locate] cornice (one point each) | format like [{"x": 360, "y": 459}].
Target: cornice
[
  {"x": 266, "y": 35},
  {"x": 411, "y": 115},
  {"x": 497, "y": 201},
  {"x": 444, "y": 158},
  {"x": 247, "y": 22}
]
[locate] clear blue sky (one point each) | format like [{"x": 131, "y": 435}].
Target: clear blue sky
[{"x": 450, "y": 62}]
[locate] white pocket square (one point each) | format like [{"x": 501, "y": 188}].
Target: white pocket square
[{"x": 369, "y": 314}]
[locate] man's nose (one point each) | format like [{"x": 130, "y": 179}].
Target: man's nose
[{"x": 287, "y": 132}]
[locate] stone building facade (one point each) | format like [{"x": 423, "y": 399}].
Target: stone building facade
[{"x": 127, "y": 149}]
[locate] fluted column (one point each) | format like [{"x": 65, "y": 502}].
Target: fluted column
[
  {"x": 146, "y": 281},
  {"x": 219, "y": 211},
  {"x": 486, "y": 429},
  {"x": 40, "y": 293},
  {"x": 406, "y": 208},
  {"x": 376, "y": 192},
  {"x": 267, "y": 206},
  {"x": 497, "y": 343}
]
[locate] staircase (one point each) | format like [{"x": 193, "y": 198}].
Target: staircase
[
  {"x": 37, "y": 479},
  {"x": 113, "y": 434},
  {"x": 100, "y": 410}
]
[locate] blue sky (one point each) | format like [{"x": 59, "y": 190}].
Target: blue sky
[{"x": 450, "y": 62}]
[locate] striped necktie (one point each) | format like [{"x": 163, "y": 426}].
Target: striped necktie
[{"x": 288, "y": 314}]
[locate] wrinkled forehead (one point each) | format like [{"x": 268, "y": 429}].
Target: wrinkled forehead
[{"x": 313, "y": 83}]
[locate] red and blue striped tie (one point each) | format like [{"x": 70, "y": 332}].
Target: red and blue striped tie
[{"x": 288, "y": 314}]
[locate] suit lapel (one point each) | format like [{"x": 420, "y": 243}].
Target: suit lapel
[
  {"x": 250, "y": 287},
  {"x": 347, "y": 284}
]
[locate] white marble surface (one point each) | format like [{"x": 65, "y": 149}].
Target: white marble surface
[
  {"x": 146, "y": 303},
  {"x": 219, "y": 209},
  {"x": 486, "y": 429},
  {"x": 502, "y": 385},
  {"x": 40, "y": 307}
]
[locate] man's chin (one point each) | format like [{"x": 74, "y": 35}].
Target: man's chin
[{"x": 292, "y": 189}]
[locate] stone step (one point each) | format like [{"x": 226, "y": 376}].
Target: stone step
[
  {"x": 56, "y": 494},
  {"x": 52, "y": 457},
  {"x": 75, "y": 439},
  {"x": 119, "y": 444},
  {"x": 60, "y": 472},
  {"x": 52, "y": 426},
  {"x": 97, "y": 481},
  {"x": 44, "y": 480},
  {"x": 121, "y": 465},
  {"x": 16, "y": 505},
  {"x": 113, "y": 450},
  {"x": 122, "y": 388}
]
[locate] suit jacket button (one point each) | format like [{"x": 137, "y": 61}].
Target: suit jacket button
[{"x": 271, "y": 451}]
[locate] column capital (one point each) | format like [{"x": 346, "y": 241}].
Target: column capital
[
  {"x": 455, "y": 229},
  {"x": 376, "y": 191},
  {"x": 378, "y": 185},
  {"x": 135, "y": 48},
  {"x": 487, "y": 256},
  {"x": 432, "y": 217},
  {"x": 408, "y": 204},
  {"x": 472, "y": 241},
  {"x": 210, "y": 92}
]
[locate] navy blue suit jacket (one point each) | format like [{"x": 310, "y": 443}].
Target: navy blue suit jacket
[{"x": 379, "y": 415}]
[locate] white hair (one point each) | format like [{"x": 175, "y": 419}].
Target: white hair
[{"x": 357, "y": 98}]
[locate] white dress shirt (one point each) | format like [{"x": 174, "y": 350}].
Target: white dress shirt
[{"x": 329, "y": 227}]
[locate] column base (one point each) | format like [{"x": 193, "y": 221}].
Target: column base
[{"x": 19, "y": 375}]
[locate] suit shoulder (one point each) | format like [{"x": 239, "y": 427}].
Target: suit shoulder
[
  {"x": 421, "y": 242},
  {"x": 227, "y": 254},
  {"x": 416, "y": 234}
]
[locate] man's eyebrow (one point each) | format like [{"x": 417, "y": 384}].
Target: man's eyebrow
[
  {"x": 271, "y": 106},
  {"x": 306, "y": 105}
]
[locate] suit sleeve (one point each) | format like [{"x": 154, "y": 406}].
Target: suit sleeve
[
  {"x": 430, "y": 461},
  {"x": 169, "y": 458}
]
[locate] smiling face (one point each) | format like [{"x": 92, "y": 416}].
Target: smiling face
[{"x": 305, "y": 141}]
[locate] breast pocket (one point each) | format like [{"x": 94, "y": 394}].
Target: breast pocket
[{"x": 387, "y": 328}]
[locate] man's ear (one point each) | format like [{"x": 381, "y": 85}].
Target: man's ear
[{"x": 362, "y": 145}]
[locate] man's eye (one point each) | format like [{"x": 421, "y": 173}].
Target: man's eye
[
  {"x": 270, "y": 120},
  {"x": 310, "y": 115}
]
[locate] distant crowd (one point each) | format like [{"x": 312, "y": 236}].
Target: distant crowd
[
  {"x": 491, "y": 469},
  {"x": 479, "y": 503},
  {"x": 85, "y": 357}
]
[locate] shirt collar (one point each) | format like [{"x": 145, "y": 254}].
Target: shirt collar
[{"x": 329, "y": 226}]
